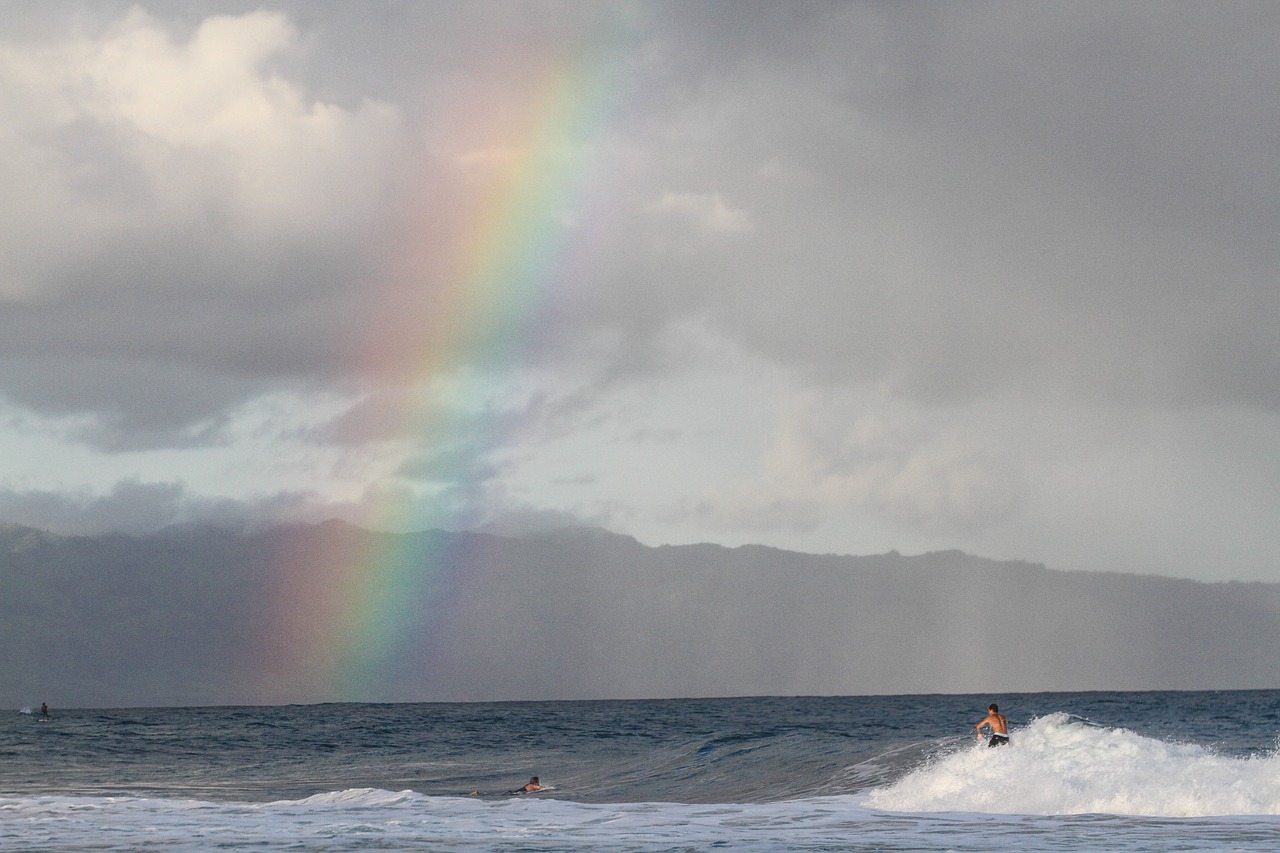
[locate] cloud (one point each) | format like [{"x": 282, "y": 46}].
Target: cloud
[
  {"x": 204, "y": 127},
  {"x": 180, "y": 216},
  {"x": 835, "y": 457},
  {"x": 525, "y": 521},
  {"x": 131, "y": 506},
  {"x": 704, "y": 211},
  {"x": 954, "y": 202},
  {"x": 970, "y": 203},
  {"x": 963, "y": 261}
]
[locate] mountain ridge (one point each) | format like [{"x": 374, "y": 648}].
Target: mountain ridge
[{"x": 178, "y": 617}]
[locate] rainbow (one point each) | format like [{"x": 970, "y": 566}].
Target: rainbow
[{"x": 458, "y": 308}]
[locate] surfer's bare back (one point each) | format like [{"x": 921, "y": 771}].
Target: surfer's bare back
[{"x": 999, "y": 726}]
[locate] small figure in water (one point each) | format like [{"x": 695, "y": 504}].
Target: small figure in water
[
  {"x": 999, "y": 726},
  {"x": 44, "y": 710},
  {"x": 534, "y": 785}
]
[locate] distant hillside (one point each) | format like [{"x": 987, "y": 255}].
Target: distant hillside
[{"x": 179, "y": 617}]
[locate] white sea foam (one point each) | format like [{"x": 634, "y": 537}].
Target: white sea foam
[
  {"x": 1059, "y": 765},
  {"x": 371, "y": 819}
]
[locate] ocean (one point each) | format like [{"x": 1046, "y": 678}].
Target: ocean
[{"x": 1085, "y": 771}]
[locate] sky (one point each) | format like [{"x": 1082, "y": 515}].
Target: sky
[{"x": 832, "y": 277}]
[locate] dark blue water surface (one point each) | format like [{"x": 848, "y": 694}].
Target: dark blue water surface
[{"x": 693, "y": 751}]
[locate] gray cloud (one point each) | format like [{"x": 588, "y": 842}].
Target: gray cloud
[
  {"x": 136, "y": 507},
  {"x": 956, "y": 200},
  {"x": 987, "y": 202},
  {"x": 160, "y": 232},
  {"x": 993, "y": 245}
]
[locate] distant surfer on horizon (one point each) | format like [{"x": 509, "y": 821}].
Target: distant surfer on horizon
[
  {"x": 44, "y": 710},
  {"x": 999, "y": 726}
]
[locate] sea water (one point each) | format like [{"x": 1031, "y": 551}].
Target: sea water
[{"x": 1089, "y": 771}]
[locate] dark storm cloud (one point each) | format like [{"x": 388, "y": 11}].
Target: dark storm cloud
[
  {"x": 164, "y": 340},
  {"x": 999, "y": 199}
]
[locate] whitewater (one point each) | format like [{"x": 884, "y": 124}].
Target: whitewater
[{"x": 1089, "y": 771}]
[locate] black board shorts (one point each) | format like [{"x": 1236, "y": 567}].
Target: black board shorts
[{"x": 997, "y": 740}]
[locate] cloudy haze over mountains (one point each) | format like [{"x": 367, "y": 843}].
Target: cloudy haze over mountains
[{"x": 831, "y": 277}]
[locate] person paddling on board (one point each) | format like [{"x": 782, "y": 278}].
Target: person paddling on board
[
  {"x": 999, "y": 726},
  {"x": 534, "y": 785},
  {"x": 44, "y": 710}
]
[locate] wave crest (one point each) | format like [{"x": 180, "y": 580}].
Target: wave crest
[{"x": 1061, "y": 765}]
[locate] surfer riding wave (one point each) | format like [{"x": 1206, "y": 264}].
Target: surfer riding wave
[{"x": 998, "y": 724}]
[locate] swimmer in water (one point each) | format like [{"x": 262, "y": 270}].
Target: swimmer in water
[
  {"x": 999, "y": 726},
  {"x": 533, "y": 785}
]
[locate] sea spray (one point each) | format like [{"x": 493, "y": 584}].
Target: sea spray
[{"x": 1061, "y": 765}]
